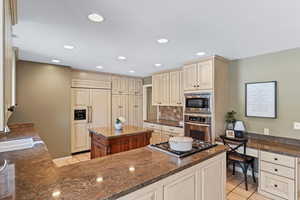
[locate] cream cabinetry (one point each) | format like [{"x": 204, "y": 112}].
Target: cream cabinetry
[
  {"x": 205, "y": 181},
  {"x": 97, "y": 105},
  {"x": 161, "y": 89},
  {"x": 120, "y": 107},
  {"x": 167, "y": 89},
  {"x": 198, "y": 76},
  {"x": 135, "y": 86},
  {"x": 120, "y": 85},
  {"x": 278, "y": 176},
  {"x": 135, "y": 110},
  {"x": 176, "y": 88},
  {"x": 190, "y": 77}
]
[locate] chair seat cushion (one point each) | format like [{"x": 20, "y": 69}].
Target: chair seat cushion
[{"x": 239, "y": 157}]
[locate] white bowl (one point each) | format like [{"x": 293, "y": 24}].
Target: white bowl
[{"x": 181, "y": 143}]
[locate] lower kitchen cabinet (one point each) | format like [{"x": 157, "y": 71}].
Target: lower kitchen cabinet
[
  {"x": 80, "y": 138},
  {"x": 205, "y": 181}
]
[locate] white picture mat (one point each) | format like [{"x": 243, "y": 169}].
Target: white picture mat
[{"x": 261, "y": 99}]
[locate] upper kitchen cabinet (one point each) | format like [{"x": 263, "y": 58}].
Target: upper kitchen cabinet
[
  {"x": 176, "y": 89},
  {"x": 167, "y": 89},
  {"x": 120, "y": 85},
  {"x": 161, "y": 89},
  {"x": 135, "y": 86},
  {"x": 198, "y": 76}
]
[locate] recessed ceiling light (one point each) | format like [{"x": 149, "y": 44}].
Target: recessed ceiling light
[
  {"x": 131, "y": 71},
  {"x": 200, "y": 53},
  {"x": 99, "y": 67},
  {"x": 94, "y": 17},
  {"x": 68, "y": 46},
  {"x": 55, "y": 61},
  {"x": 158, "y": 65},
  {"x": 162, "y": 40},
  {"x": 122, "y": 58}
]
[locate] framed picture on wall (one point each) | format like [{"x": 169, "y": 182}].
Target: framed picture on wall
[{"x": 261, "y": 99}]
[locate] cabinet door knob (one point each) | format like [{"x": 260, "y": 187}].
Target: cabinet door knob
[
  {"x": 275, "y": 158},
  {"x": 195, "y": 85},
  {"x": 276, "y": 170},
  {"x": 276, "y": 185}
]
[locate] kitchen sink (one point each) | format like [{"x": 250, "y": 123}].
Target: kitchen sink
[{"x": 14, "y": 145}]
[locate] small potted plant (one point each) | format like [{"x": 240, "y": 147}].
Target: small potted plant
[
  {"x": 230, "y": 119},
  {"x": 119, "y": 123}
]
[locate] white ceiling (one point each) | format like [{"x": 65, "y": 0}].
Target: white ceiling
[{"x": 229, "y": 28}]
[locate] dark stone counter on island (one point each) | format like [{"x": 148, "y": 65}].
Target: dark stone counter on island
[{"x": 32, "y": 174}]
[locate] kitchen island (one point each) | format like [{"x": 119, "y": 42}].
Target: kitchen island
[
  {"x": 108, "y": 140},
  {"x": 140, "y": 174}
]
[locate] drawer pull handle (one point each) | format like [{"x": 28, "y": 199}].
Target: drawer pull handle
[
  {"x": 275, "y": 158},
  {"x": 276, "y": 185},
  {"x": 276, "y": 170}
]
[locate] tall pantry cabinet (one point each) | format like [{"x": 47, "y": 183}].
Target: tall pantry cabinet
[{"x": 127, "y": 100}]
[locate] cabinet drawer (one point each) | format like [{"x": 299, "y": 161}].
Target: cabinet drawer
[
  {"x": 278, "y": 170},
  {"x": 171, "y": 129},
  {"x": 277, "y": 185},
  {"x": 152, "y": 126},
  {"x": 278, "y": 159}
]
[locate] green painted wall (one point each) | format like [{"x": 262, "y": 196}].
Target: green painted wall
[{"x": 283, "y": 67}]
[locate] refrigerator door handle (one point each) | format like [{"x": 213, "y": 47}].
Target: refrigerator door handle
[{"x": 91, "y": 116}]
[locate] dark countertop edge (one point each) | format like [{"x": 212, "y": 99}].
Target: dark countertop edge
[
  {"x": 156, "y": 179},
  {"x": 162, "y": 123},
  {"x": 116, "y": 136}
]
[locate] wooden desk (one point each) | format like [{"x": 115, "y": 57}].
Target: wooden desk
[{"x": 107, "y": 140}]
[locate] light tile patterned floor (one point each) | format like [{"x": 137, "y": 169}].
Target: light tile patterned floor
[{"x": 235, "y": 186}]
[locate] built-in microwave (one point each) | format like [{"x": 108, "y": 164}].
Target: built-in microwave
[{"x": 198, "y": 103}]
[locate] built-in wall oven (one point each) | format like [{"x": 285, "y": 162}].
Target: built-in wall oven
[
  {"x": 198, "y": 126},
  {"x": 199, "y": 103}
]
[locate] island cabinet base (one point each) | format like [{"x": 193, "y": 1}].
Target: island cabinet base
[
  {"x": 204, "y": 181},
  {"x": 102, "y": 146}
]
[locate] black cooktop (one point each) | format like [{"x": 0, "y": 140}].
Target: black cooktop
[{"x": 198, "y": 146}]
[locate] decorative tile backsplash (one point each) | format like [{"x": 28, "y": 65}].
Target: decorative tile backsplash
[{"x": 170, "y": 113}]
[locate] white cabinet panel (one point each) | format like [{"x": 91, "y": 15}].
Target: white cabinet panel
[
  {"x": 135, "y": 86},
  {"x": 120, "y": 107},
  {"x": 278, "y": 159},
  {"x": 101, "y": 107},
  {"x": 276, "y": 185},
  {"x": 80, "y": 97},
  {"x": 212, "y": 179},
  {"x": 183, "y": 188},
  {"x": 135, "y": 110},
  {"x": 205, "y": 75},
  {"x": 80, "y": 138},
  {"x": 120, "y": 85},
  {"x": 190, "y": 77}
]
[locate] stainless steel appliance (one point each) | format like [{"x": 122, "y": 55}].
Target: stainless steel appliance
[
  {"x": 198, "y": 146},
  {"x": 198, "y": 126},
  {"x": 198, "y": 103}
]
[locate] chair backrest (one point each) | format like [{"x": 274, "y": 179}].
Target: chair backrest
[{"x": 234, "y": 143}]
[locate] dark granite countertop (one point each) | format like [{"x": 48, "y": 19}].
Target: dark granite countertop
[
  {"x": 272, "y": 144},
  {"x": 110, "y": 132},
  {"x": 33, "y": 175},
  {"x": 165, "y": 122}
]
